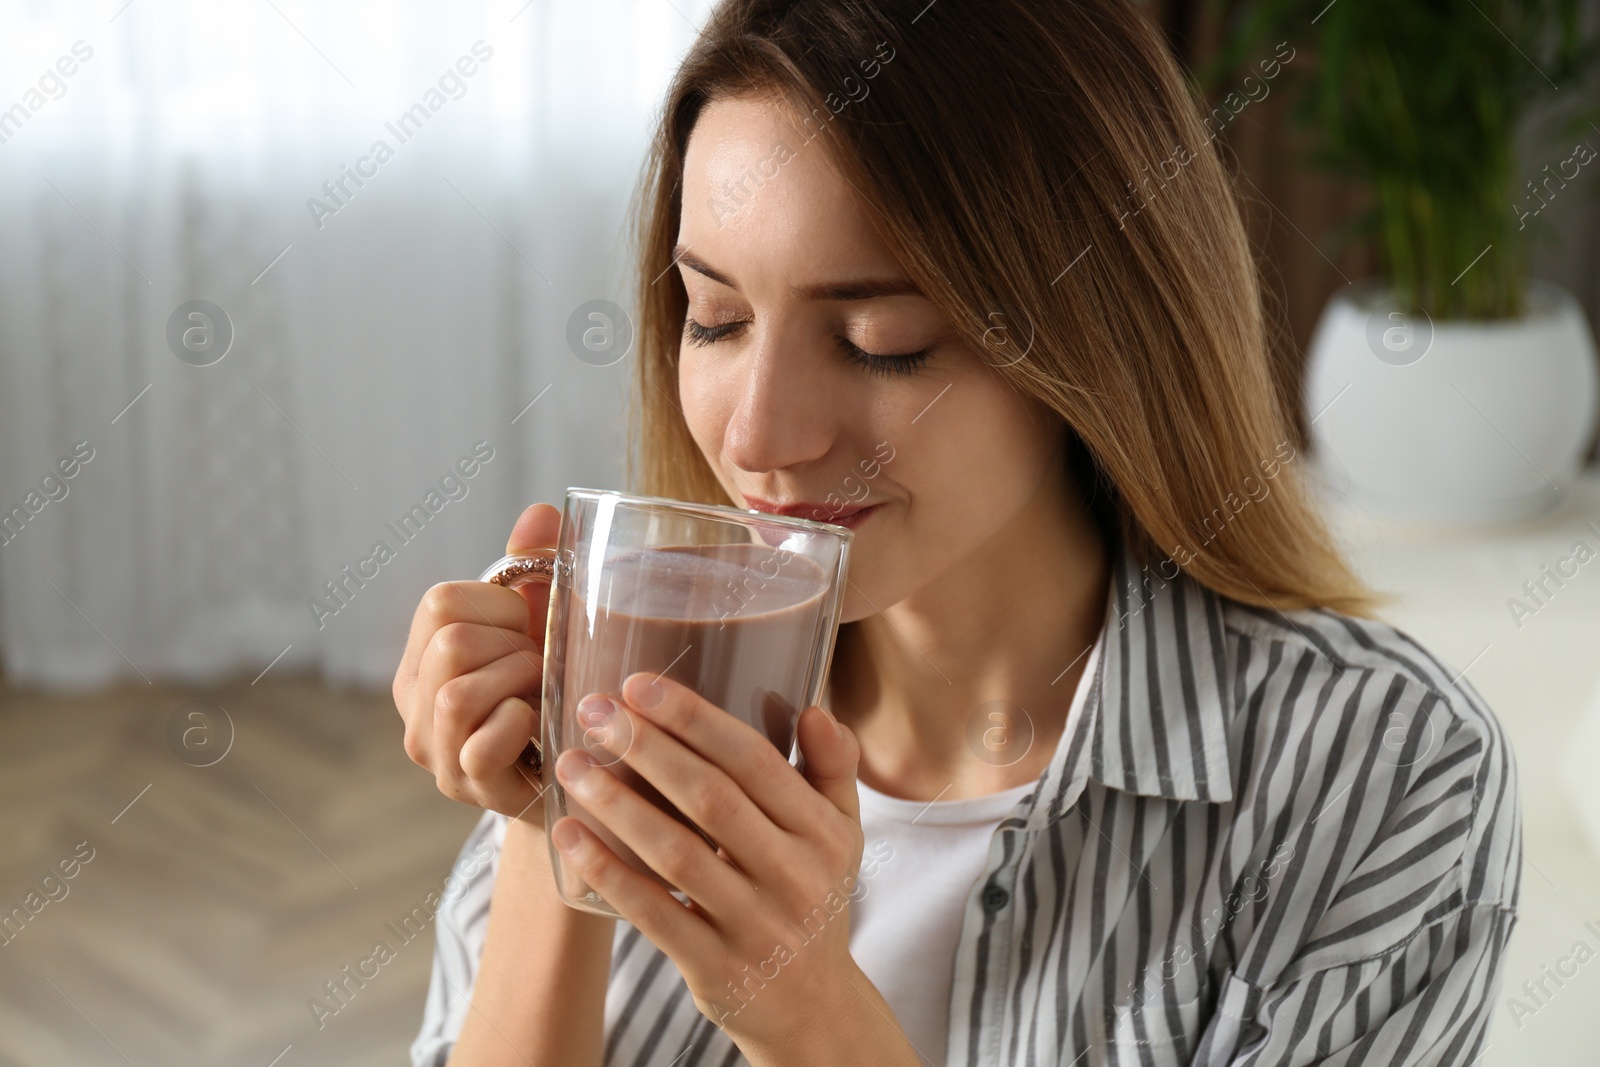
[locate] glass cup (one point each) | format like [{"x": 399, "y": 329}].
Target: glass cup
[{"x": 740, "y": 606}]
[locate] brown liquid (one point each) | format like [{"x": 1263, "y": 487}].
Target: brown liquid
[{"x": 738, "y": 624}]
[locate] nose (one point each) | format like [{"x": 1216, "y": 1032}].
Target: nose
[{"x": 785, "y": 414}]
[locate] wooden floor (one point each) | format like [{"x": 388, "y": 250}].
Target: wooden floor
[{"x": 219, "y": 899}]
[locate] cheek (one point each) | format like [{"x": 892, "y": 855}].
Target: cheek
[
  {"x": 962, "y": 480},
  {"x": 972, "y": 477},
  {"x": 704, "y": 401},
  {"x": 986, "y": 449}
]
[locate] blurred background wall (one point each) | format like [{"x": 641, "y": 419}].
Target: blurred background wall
[{"x": 379, "y": 330}]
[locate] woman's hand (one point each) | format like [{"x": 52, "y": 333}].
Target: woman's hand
[
  {"x": 475, "y": 652},
  {"x": 763, "y": 943}
]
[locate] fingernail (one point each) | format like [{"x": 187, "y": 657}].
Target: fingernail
[
  {"x": 595, "y": 710},
  {"x": 566, "y": 836},
  {"x": 838, "y": 731},
  {"x": 644, "y": 690},
  {"x": 574, "y": 768}
]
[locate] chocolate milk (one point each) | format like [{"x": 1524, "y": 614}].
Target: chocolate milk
[{"x": 737, "y": 623}]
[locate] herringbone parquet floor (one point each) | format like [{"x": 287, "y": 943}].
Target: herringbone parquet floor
[{"x": 208, "y": 905}]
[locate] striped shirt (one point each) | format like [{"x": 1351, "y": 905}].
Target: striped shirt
[{"x": 1270, "y": 839}]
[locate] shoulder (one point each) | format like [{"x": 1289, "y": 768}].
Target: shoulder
[{"x": 1378, "y": 764}]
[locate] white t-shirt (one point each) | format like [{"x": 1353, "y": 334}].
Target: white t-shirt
[{"x": 920, "y": 863}]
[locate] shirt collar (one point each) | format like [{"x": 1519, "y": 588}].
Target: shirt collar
[{"x": 1155, "y": 719}]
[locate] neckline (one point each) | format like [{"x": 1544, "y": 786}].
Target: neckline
[{"x": 990, "y": 807}]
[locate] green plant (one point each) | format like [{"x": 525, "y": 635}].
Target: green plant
[{"x": 1420, "y": 101}]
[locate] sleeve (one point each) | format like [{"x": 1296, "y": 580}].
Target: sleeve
[
  {"x": 461, "y": 920},
  {"x": 1394, "y": 957},
  {"x": 1428, "y": 1003}
]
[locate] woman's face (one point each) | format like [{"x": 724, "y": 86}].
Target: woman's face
[{"x": 818, "y": 380}]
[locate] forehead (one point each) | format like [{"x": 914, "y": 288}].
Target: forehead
[{"x": 757, "y": 195}]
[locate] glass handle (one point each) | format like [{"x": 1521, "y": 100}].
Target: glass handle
[{"x": 516, "y": 570}]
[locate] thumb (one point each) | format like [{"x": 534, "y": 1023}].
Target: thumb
[
  {"x": 537, "y": 527},
  {"x": 831, "y": 755}
]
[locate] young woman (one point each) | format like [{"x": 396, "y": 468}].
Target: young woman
[{"x": 971, "y": 279}]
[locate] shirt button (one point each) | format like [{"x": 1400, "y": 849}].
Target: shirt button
[{"x": 995, "y": 897}]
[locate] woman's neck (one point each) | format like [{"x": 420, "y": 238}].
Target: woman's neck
[{"x": 1008, "y": 623}]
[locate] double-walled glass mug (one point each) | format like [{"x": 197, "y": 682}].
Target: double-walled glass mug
[{"x": 740, "y": 606}]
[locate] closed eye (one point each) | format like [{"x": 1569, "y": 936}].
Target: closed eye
[
  {"x": 890, "y": 364},
  {"x": 903, "y": 363},
  {"x": 705, "y": 335}
]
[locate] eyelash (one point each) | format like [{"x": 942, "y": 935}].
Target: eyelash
[{"x": 906, "y": 363}]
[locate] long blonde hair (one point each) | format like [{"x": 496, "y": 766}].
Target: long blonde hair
[{"x": 1042, "y": 173}]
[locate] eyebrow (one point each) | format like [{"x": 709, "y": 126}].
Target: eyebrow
[{"x": 853, "y": 290}]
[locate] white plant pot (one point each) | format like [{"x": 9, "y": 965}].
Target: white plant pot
[{"x": 1451, "y": 422}]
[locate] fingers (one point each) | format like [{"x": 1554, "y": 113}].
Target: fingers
[
  {"x": 464, "y": 702},
  {"x": 495, "y": 746},
  {"x": 703, "y": 792},
  {"x": 467, "y": 683},
  {"x": 536, "y": 527},
  {"x": 455, "y": 602},
  {"x": 461, "y": 648},
  {"x": 734, "y": 747},
  {"x": 677, "y": 930},
  {"x": 455, "y": 650},
  {"x": 523, "y": 610},
  {"x": 832, "y": 758},
  {"x": 539, "y": 526},
  {"x": 667, "y": 846}
]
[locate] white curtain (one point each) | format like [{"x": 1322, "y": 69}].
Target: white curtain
[{"x": 160, "y": 152}]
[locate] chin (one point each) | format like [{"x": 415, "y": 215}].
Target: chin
[
  {"x": 855, "y": 607},
  {"x": 873, "y": 588}
]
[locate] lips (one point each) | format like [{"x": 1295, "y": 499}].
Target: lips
[{"x": 807, "y": 510}]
